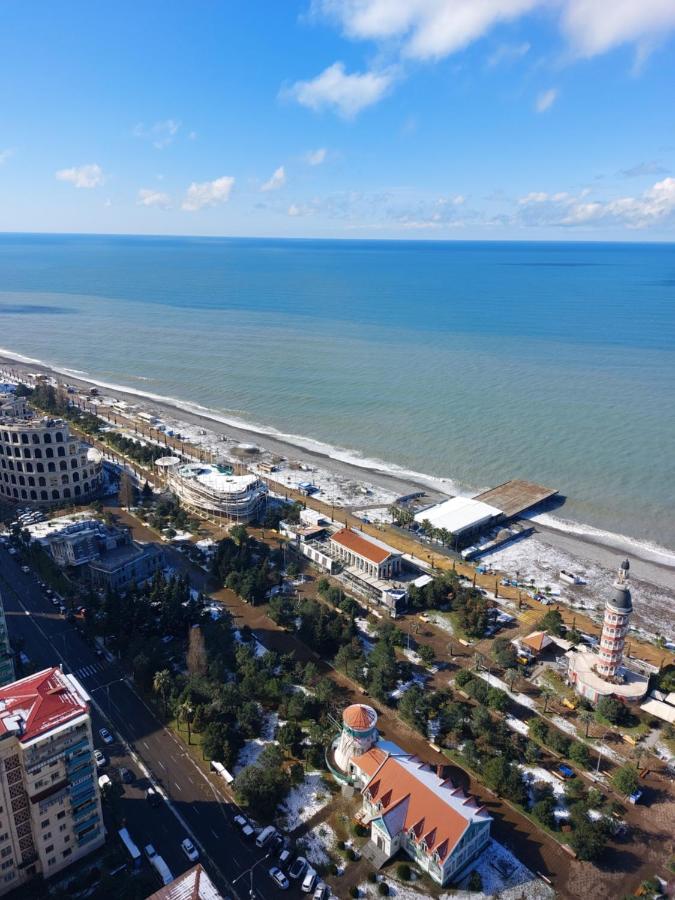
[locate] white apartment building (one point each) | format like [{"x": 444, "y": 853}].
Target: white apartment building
[{"x": 50, "y": 805}]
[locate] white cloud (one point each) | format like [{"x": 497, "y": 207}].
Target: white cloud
[
  {"x": 346, "y": 93},
  {"x": 432, "y": 29},
  {"x": 160, "y": 133},
  {"x": 595, "y": 26},
  {"x": 5, "y": 155},
  {"x": 278, "y": 180},
  {"x": 655, "y": 205},
  {"x": 148, "y": 197},
  {"x": 546, "y": 99},
  {"x": 207, "y": 193},
  {"x": 508, "y": 53},
  {"x": 316, "y": 157},
  {"x": 87, "y": 176}
]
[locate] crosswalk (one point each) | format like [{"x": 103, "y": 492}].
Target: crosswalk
[{"x": 89, "y": 671}]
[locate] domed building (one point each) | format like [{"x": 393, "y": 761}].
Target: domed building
[
  {"x": 358, "y": 735},
  {"x": 603, "y": 674},
  {"x": 42, "y": 463}
]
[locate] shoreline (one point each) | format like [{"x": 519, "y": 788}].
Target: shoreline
[{"x": 649, "y": 563}]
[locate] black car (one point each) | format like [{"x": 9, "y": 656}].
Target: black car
[{"x": 153, "y": 797}]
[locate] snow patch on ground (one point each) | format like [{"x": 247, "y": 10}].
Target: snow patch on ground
[
  {"x": 493, "y": 681},
  {"x": 532, "y": 774},
  {"x": 564, "y": 725},
  {"x": 317, "y": 843},
  {"x": 304, "y": 800},
  {"x": 252, "y": 749},
  {"x": 517, "y": 725}
]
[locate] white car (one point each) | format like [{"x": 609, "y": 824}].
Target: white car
[
  {"x": 279, "y": 878},
  {"x": 106, "y": 737},
  {"x": 99, "y": 757},
  {"x": 189, "y": 850}
]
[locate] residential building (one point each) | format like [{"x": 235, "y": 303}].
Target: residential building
[
  {"x": 42, "y": 463},
  {"x": 194, "y": 884},
  {"x": 6, "y": 655},
  {"x": 535, "y": 643},
  {"x": 50, "y": 806},
  {"x": 11, "y": 406}
]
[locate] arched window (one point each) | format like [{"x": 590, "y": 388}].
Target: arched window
[
  {"x": 26, "y": 452},
  {"x": 49, "y": 452},
  {"x": 15, "y": 492},
  {"x": 47, "y": 438},
  {"x": 37, "y": 453},
  {"x": 51, "y": 467},
  {"x": 36, "y": 438},
  {"x": 24, "y": 494},
  {"x": 63, "y": 465},
  {"x": 55, "y": 495},
  {"x": 73, "y": 463},
  {"x": 41, "y": 481},
  {"x": 22, "y": 480},
  {"x": 59, "y": 437},
  {"x": 78, "y": 490},
  {"x": 31, "y": 481},
  {"x": 24, "y": 438},
  {"x": 29, "y": 467},
  {"x": 39, "y": 467},
  {"x": 86, "y": 487},
  {"x": 44, "y": 495},
  {"x": 60, "y": 451},
  {"x": 76, "y": 476},
  {"x": 66, "y": 493},
  {"x": 33, "y": 495},
  {"x": 64, "y": 479}
]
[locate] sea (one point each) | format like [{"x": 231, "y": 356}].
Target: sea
[{"x": 471, "y": 362}]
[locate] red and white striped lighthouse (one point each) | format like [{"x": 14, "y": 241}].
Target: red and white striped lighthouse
[{"x": 615, "y": 625}]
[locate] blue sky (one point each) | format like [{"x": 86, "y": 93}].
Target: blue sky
[{"x": 499, "y": 119}]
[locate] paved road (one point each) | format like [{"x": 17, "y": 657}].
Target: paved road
[{"x": 151, "y": 751}]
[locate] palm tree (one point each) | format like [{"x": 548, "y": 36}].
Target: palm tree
[
  {"x": 160, "y": 685},
  {"x": 185, "y": 713},
  {"x": 586, "y": 717},
  {"x": 548, "y": 693}
]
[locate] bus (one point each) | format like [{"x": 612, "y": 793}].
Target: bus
[{"x": 132, "y": 849}]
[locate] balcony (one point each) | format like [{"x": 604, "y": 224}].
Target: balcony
[
  {"x": 79, "y": 827},
  {"x": 90, "y": 836},
  {"x": 88, "y": 808}
]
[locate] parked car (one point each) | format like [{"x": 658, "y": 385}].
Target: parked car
[
  {"x": 635, "y": 797},
  {"x": 265, "y": 836},
  {"x": 106, "y": 737},
  {"x": 321, "y": 891},
  {"x": 189, "y": 850},
  {"x": 153, "y": 797},
  {"x": 126, "y": 775},
  {"x": 298, "y": 868},
  {"x": 149, "y": 851},
  {"x": 565, "y": 772},
  {"x": 100, "y": 759},
  {"x": 279, "y": 878},
  {"x": 284, "y": 856},
  {"x": 246, "y": 828},
  {"x": 309, "y": 880}
]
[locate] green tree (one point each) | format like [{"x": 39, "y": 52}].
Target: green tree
[
  {"x": 610, "y": 710},
  {"x": 579, "y": 754},
  {"x": 588, "y": 840},
  {"x": 552, "y": 621},
  {"x": 626, "y": 779}
]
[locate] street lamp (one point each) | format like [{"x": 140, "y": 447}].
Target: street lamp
[{"x": 251, "y": 893}]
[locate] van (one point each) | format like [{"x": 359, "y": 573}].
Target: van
[
  {"x": 265, "y": 836},
  {"x": 309, "y": 880}
]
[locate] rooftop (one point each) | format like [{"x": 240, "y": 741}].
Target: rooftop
[
  {"x": 413, "y": 798},
  {"x": 39, "y": 703},
  {"x": 516, "y": 497},
  {"x": 359, "y": 716},
  {"x": 537, "y": 641},
  {"x": 194, "y": 884},
  {"x": 217, "y": 479},
  {"x": 633, "y": 686},
  {"x": 458, "y": 514},
  {"x": 367, "y": 547},
  {"x": 121, "y": 556}
]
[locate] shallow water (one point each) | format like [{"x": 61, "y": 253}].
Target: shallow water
[{"x": 476, "y": 362}]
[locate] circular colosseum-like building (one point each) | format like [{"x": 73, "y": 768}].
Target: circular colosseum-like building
[{"x": 42, "y": 463}]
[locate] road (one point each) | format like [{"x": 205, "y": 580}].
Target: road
[{"x": 142, "y": 745}]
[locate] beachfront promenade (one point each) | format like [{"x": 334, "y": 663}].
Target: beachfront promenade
[{"x": 529, "y": 612}]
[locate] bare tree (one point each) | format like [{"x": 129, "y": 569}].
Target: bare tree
[
  {"x": 126, "y": 491},
  {"x": 196, "y": 655}
]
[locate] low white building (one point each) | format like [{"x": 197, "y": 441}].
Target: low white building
[{"x": 459, "y": 515}]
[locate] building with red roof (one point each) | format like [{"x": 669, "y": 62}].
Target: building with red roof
[
  {"x": 50, "y": 806},
  {"x": 409, "y": 806},
  {"x": 366, "y": 553}
]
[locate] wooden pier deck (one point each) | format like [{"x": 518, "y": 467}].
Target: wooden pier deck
[{"x": 516, "y": 497}]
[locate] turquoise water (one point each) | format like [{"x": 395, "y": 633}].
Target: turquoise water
[{"x": 478, "y": 362}]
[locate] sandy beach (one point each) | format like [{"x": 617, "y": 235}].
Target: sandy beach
[{"x": 362, "y": 488}]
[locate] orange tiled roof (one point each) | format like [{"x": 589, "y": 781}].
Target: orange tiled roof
[
  {"x": 370, "y": 761},
  {"x": 359, "y": 717},
  {"x": 537, "y": 640},
  {"x": 417, "y": 801},
  {"x": 361, "y": 546}
]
